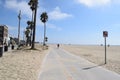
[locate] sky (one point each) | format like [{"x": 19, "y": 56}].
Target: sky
[{"x": 69, "y": 21}]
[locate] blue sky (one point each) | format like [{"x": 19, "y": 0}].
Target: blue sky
[{"x": 70, "y": 21}]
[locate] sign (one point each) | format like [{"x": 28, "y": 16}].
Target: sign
[{"x": 105, "y": 34}]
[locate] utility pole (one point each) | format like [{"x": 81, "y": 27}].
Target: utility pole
[{"x": 19, "y": 17}]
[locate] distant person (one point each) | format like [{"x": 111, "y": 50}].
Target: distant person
[
  {"x": 108, "y": 45},
  {"x": 58, "y": 45}
]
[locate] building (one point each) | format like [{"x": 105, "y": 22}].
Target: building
[{"x": 3, "y": 34}]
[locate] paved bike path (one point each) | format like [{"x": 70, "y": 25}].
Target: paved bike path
[{"x": 61, "y": 65}]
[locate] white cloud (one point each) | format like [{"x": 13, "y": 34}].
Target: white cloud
[
  {"x": 56, "y": 14},
  {"x": 115, "y": 1},
  {"x": 51, "y": 26},
  {"x": 14, "y": 29},
  {"x": 94, "y": 3},
  {"x": 11, "y": 28},
  {"x": 22, "y": 5},
  {"x": 25, "y": 9},
  {"x": 15, "y": 5}
]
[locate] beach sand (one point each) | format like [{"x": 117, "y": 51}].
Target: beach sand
[
  {"x": 22, "y": 64},
  {"x": 96, "y": 54}
]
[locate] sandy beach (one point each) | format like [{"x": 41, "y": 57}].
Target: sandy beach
[
  {"x": 96, "y": 55},
  {"x": 22, "y": 64},
  {"x": 25, "y": 64}
]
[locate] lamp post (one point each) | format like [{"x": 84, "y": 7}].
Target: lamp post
[{"x": 19, "y": 17}]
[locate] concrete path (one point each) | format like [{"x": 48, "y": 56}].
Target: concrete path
[{"x": 61, "y": 65}]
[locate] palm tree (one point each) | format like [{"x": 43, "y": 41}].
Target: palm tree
[
  {"x": 30, "y": 25},
  {"x": 33, "y": 5},
  {"x": 27, "y": 33},
  {"x": 44, "y": 19}
]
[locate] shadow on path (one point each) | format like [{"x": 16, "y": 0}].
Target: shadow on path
[{"x": 87, "y": 68}]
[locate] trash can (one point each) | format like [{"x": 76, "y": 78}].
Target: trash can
[
  {"x": 5, "y": 48},
  {"x": 1, "y": 51},
  {"x": 12, "y": 47}
]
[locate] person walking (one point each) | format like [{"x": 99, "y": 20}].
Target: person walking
[{"x": 58, "y": 45}]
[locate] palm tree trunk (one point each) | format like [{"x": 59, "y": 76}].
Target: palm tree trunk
[
  {"x": 31, "y": 34},
  {"x": 33, "y": 41},
  {"x": 44, "y": 34}
]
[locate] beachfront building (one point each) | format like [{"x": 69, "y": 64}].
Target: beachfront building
[{"x": 3, "y": 35}]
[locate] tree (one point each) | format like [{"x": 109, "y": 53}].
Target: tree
[
  {"x": 30, "y": 25},
  {"x": 27, "y": 33},
  {"x": 33, "y": 6},
  {"x": 44, "y": 19}
]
